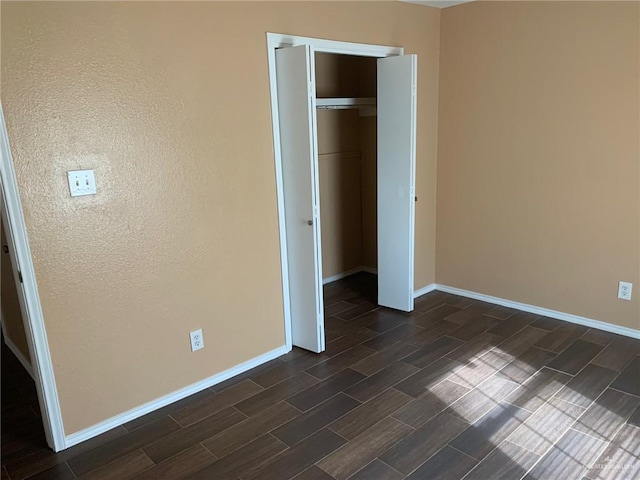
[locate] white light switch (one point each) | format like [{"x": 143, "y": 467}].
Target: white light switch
[{"x": 81, "y": 182}]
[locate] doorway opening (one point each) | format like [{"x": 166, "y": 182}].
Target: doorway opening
[
  {"x": 19, "y": 256},
  {"x": 347, "y": 138},
  {"x": 333, "y": 105}
]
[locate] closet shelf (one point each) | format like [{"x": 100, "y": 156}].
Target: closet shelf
[
  {"x": 365, "y": 105},
  {"x": 345, "y": 102}
]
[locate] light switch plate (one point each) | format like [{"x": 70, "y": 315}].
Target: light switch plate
[{"x": 81, "y": 182}]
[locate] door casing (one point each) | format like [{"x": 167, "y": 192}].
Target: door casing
[{"x": 275, "y": 41}]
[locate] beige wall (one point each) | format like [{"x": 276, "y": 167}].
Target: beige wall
[
  {"x": 538, "y": 160},
  {"x": 169, "y": 103},
  {"x": 339, "y": 170},
  {"x": 345, "y": 76},
  {"x": 369, "y": 181},
  {"x": 347, "y": 171},
  {"x": 13, "y": 328}
]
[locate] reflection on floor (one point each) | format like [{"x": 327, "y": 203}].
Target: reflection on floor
[{"x": 456, "y": 389}]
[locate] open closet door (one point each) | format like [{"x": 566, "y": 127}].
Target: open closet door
[
  {"x": 396, "y": 179},
  {"x": 296, "y": 98}
]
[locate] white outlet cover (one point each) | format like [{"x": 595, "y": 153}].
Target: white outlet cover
[
  {"x": 624, "y": 290},
  {"x": 81, "y": 182},
  {"x": 197, "y": 340}
]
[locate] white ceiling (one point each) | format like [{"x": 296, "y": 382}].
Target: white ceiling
[{"x": 438, "y": 3}]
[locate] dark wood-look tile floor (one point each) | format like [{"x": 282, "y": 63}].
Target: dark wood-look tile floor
[{"x": 456, "y": 389}]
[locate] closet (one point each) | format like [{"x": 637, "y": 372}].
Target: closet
[
  {"x": 346, "y": 128},
  {"x": 344, "y": 135}
]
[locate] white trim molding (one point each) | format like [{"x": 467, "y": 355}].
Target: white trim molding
[
  {"x": 567, "y": 317},
  {"x": 348, "y": 273},
  {"x": 275, "y": 41},
  {"x": 424, "y": 290},
  {"x": 21, "y": 358},
  {"x": 14, "y": 348},
  {"x": 153, "y": 405},
  {"x": 438, "y": 3}
]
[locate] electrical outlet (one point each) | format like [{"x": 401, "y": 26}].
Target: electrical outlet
[
  {"x": 197, "y": 340},
  {"x": 624, "y": 290}
]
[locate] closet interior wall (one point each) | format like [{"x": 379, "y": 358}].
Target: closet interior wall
[
  {"x": 12, "y": 324},
  {"x": 347, "y": 165}
]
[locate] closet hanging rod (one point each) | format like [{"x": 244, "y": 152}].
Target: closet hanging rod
[{"x": 345, "y": 102}]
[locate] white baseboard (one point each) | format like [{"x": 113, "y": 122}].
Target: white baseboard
[
  {"x": 567, "y": 317},
  {"x": 348, "y": 273},
  {"x": 149, "y": 407},
  {"x": 87, "y": 433},
  {"x": 424, "y": 290},
  {"x": 21, "y": 358}
]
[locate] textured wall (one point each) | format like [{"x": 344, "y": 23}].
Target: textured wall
[
  {"x": 11, "y": 315},
  {"x": 169, "y": 103},
  {"x": 539, "y": 161}
]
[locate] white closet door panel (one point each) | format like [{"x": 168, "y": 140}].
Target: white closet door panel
[
  {"x": 396, "y": 180},
  {"x": 297, "y": 141}
]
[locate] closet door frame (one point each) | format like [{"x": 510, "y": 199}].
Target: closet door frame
[{"x": 275, "y": 41}]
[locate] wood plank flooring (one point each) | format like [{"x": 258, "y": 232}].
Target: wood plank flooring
[{"x": 456, "y": 389}]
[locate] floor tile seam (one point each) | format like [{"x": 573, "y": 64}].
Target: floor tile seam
[
  {"x": 594, "y": 401},
  {"x": 543, "y": 455},
  {"x": 426, "y": 460},
  {"x": 477, "y": 388},
  {"x": 523, "y": 408},
  {"x": 566, "y": 401},
  {"x": 233, "y": 405},
  {"x": 500, "y": 318},
  {"x": 497, "y": 447},
  {"x": 570, "y": 344},
  {"x": 607, "y": 440},
  {"x": 564, "y": 431},
  {"x": 624, "y": 366},
  {"x": 546, "y": 349},
  {"x": 513, "y": 334},
  {"x": 603, "y": 346},
  {"x": 119, "y": 457},
  {"x": 390, "y": 466},
  {"x": 333, "y": 421},
  {"x": 560, "y": 371},
  {"x": 544, "y": 402},
  {"x": 483, "y": 458},
  {"x": 622, "y": 391},
  {"x": 334, "y": 451},
  {"x": 245, "y": 444},
  {"x": 405, "y": 423},
  {"x": 555, "y": 395},
  {"x": 302, "y": 412},
  {"x": 422, "y": 395},
  {"x": 464, "y": 453},
  {"x": 357, "y": 316}
]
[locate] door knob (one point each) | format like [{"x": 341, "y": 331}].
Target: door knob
[{"x": 309, "y": 222}]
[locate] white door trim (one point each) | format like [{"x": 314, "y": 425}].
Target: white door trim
[
  {"x": 274, "y": 41},
  {"x": 30, "y": 299}
]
